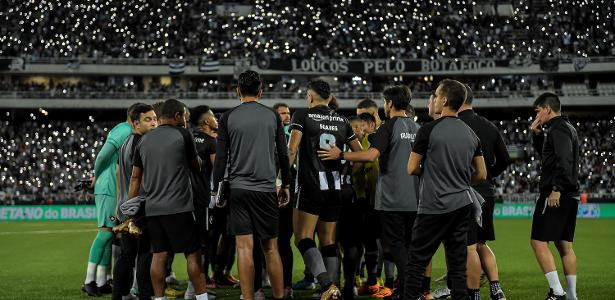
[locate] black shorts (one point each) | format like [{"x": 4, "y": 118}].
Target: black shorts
[
  {"x": 177, "y": 233},
  {"x": 254, "y": 213},
  {"x": 555, "y": 223},
  {"x": 327, "y": 205},
  {"x": 487, "y": 231}
]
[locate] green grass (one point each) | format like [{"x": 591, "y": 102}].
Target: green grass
[{"x": 47, "y": 260}]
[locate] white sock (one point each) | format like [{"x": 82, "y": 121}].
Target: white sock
[
  {"x": 101, "y": 275},
  {"x": 201, "y": 296},
  {"x": 90, "y": 274},
  {"x": 554, "y": 283},
  {"x": 571, "y": 286},
  {"x": 160, "y": 298}
]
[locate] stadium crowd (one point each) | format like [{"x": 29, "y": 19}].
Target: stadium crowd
[
  {"x": 41, "y": 161},
  {"x": 282, "y": 29},
  {"x": 519, "y": 85}
]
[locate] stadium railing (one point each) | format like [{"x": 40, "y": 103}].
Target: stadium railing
[
  {"x": 194, "y": 60},
  {"x": 606, "y": 90}
]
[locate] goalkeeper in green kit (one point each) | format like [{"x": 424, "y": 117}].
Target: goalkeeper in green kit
[{"x": 104, "y": 183}]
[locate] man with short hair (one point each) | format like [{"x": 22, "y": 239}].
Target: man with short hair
[
  {"x": 249, "y": 136},
  {"x": 375, "y": 257},
  {"x": 205, "y": 131},
  {"x": 556, "y": 209},
  {"x": 104, "y": 183},
  {"x": 369, "y": 123},
  {"x": 319, "y": 193},
  {"x": 447, "y": 154},
  {"x": 284, "y": 111},
  {"x": 496, "y": 159},
  {"x": 369, "y": 106},
  {"x": 390, "y": 144},
  {"x": 143, "y": 120},
  {"x": 286, "y": 213},
  {"x": 204, "y": 127},
  {"x": 163, "y": 162}
]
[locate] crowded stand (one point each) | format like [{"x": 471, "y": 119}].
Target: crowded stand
[
  {"x": 288, "y": 87},
  {"x": 42, "y": 161},
  {"x": 282, "y": 29}
]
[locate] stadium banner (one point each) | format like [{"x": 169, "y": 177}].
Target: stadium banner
[
  {"x": 380, "y": 66},
  {"x": 47, "y": 213},
  {"x": 88, "y": 212},
  {"x": 526, "y": 210}
]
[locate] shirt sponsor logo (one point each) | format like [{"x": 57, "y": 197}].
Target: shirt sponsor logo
[{"x": 319, "y": 118}]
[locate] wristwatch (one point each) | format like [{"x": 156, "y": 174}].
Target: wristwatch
[{"x": 342, "y": 156}]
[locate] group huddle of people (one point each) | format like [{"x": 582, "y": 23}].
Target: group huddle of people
[{"x": 380, "y": 196}]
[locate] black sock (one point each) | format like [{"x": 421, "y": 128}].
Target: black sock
[
  {"x": 474, "y": 294},
  {"x": 426, "y": 285},
  {"x": 371, "y": 263},
  {"x": 494, "y": 287}
]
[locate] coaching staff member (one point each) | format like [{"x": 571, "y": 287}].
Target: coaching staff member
[
  {"x": 447, "y": 154},
  {"x": 496, "y": 159},
  {"x": 163, "y": 161},
  {"x": 249, "y": 136},
  {"x": 555, "y": 214}
]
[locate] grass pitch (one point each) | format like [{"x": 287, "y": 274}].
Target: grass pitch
[{"x": 47, "y": 260}]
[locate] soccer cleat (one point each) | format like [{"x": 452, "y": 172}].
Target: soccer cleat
[
  {"x": 210, "y": 284},
  {"x": 258, "y": 295},
  {"x": 442, "y": 293},
  {"x": 224, "y": 280},
  {"x": 288, "y": 293},
  {"x": 383, "y": 292},
  {"x": 332, "y": 293},
  {"x": 499, "y": 295},
  {"x": 106, "y": 289},
  {"x": 91, "y": 289},
  {"x": 393, "y": 297},
  {"x": 365, "y": 289},
  {"x": 171, "y": 292},
  {"x": 304, "y": 285},
  {"x": 121, "y": 228},
  {"x": 429, "y": 296},
  {"x": 552, "y": 296},
  {"x": 190, "y": 294},
  {"x": 133, "y": 228}
]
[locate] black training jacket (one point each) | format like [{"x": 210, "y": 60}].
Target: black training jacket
[
  {"x": 493, "y": 147},
  {"x": 558, "y": 146}
]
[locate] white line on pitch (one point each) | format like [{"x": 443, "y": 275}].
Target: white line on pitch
[{"x": 48, "y": 231}]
